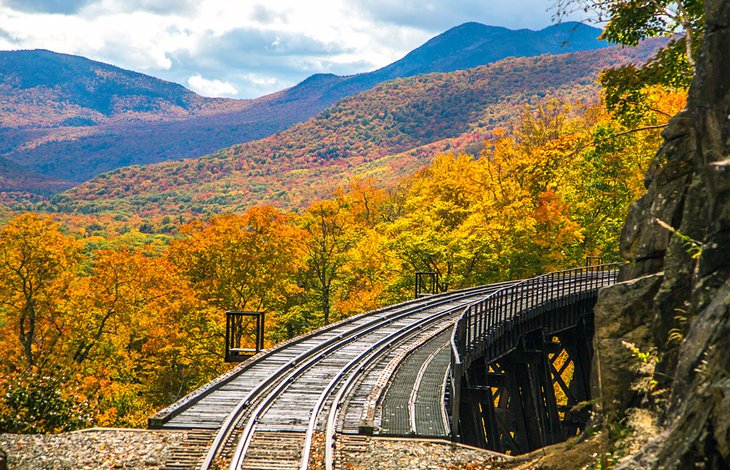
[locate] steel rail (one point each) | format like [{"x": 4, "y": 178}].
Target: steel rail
[
  {"x": 330, "y": 430},
  {"x": 398, "y": 310},
  {"x": 189, "y": 400},
  {"x": 374, "y": 353},
  {"x": 442, "y": 408},
  {"x": 285, "y": 375},
  {"x": 247, "y": 436}
]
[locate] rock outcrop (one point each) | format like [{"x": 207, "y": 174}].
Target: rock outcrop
[{"x": 670, "y": 291}]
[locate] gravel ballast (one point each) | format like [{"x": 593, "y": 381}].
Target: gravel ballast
[
  {"x": 90, "y": 449},
  {"x": 100, "y": 448},
  {"x": 400, "y": 454}
]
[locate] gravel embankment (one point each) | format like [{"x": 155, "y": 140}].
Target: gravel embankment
[
  {"x": 143, "y": 449},
  {"x": 401, "y": 454},
  {"x": 90, "y": 449}
]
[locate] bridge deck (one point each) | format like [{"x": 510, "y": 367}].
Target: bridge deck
[
  {"x": 412, "y": 404},
  {"x": 503, "y": 378}
]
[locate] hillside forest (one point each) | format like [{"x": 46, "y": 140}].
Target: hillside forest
[
  {"x": 384, "y": 133},
  {"x": 105, "y": 319}
]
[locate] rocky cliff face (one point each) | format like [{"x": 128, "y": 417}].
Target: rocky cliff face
[{"x": 675, "y": 299}]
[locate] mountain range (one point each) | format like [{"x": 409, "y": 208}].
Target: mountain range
[
  {"x": 386, "y": 132},
  {"x": 66, "y": 118}
]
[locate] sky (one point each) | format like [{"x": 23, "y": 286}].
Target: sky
[{"x": 249, "y": 48}]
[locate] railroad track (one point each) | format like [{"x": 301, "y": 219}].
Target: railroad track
[
  {"x": 275, "y": 409},
  {"x": 278, "y": 407}
]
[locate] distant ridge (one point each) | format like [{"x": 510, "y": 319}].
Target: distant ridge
[
  {"x": 473, "y": 44},
  {"x": 95, "y": 87},
  {"x": 460, "y": 48},
  {"x": 70, "y": 118}
]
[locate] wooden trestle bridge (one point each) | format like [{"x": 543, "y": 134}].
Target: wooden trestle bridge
[{"x": 479, "y": 366}]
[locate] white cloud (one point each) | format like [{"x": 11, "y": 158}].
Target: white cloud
[
  {"x": 283, "y": 41},
  {"x": 260, "y": 79},
  {"x": 205, "y": 87}
]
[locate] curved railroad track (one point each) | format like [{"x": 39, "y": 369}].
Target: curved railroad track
[
  {"x": 274, "y": 421},
  {"x": 384, "y": 371}
]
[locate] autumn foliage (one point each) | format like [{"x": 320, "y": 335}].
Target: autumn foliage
[{"x": 104, "y": 320}]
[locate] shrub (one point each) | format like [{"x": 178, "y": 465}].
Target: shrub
[{"x": 37, "y": 402}]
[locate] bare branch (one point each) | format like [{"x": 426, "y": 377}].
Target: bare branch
[{"x": 593, "y": 143}]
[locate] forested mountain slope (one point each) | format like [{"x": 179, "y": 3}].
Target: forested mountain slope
[
  {"x": 71, "y": 118},
  {"x": 386, "y": 132}
]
